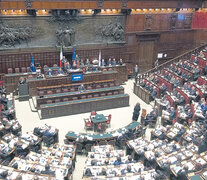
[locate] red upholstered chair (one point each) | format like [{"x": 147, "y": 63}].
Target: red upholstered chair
[
  {"x": 74, "y": 98},
  {"x": 121, "y": 92},
  {"x": 88, "y": 124},
  {"x": 23, "y": 69},
  {"x": 10, "y": 70},
  {"x": 96, "y": 95},
  {"x": 57, "y": 100},
  {"x": 28, "y": 69},
  {"x": 65, "y": 90},
  {"x": 108, "y": 122},
  {"x": 49, "y": 92},
  {"x": 116, "y": 92},
  {"x": 41, "y": 93},
  {"x": 93, "y": 113},
  {"x": 65, "y": 99},
  {"x": 49, "y": 101},
  {"x": 30, "y": 77},
  {"x": 105, "y": 85},
  {"x": 111, "y": 85},
  {"x": 89, "y": 87},
  {"x": 109, "y": 93},
  {"x": 83, "y": 97},
  {"x": 58, "y": 91},
  {"x": 17, "y": 70},
  {"x": 89, "y": 96}
]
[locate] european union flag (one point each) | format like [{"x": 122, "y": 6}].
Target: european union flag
[
  {"x": 32, "y": 67},
  {"x": 73, "y": 57}
]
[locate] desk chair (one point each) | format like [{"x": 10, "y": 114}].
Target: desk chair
[
  {"x": 108, "y": 122},
  {"x": 23, "y": 69},
  {"x": 88, "y": 124},
  {"x": 28, "y": 69},
  {"x": 17, "y": 70},
  {"x": 10, "y": 70}
]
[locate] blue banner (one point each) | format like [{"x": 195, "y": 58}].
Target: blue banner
[{"x": 32, "y": 67}]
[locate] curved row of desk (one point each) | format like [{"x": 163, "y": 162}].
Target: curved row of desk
[{"x": 73, "y": 136}]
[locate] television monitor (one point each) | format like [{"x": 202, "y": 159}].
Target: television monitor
[{"x": 77, "y": 77}]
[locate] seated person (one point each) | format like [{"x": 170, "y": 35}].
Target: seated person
[
  {"x": 120, "y": 62},
  {"x": 81, "y": 88},
  {"x": 103, "y": 62},
  {"x": 176, "y": 82},
  {"x": 4, "y": 101},
  {"x": 180, "y": 99},
  {"x": 48, "y": 134},
  {"x": 113, "y": 63},
  {"x": 153, "y": 94},
  {"x": 87, "y": 62},
  {"x": 169, "y": 114},
  {"x": 174, "y": 92},
  {"x": 142, "y": 83},
  {"x": 155, "y": 80},
  {"x": 67, "y": 66},
  {"x": 60, "y": 71},
  {"x": 50, "y": 72},
  {"x": 109, "y": 62},
  {"x": 198, "y": 97},
  {"x": 47, "y": 170},
  {"x": 163, "y": 89},
  {"x": 74, "y": 66},
  {"x": 196, "y": 73},
  {"x": 151, "y": 116},
  {"x": 82, "y": 63},
  {"x": 192, "y": 92}
]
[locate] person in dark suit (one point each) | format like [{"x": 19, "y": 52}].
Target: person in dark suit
[
  {"x": 50, "y": 72},
  {"x": 176, "y": 83},
  {"x": 172, "y": 114},
  {"x": 4, "y": 101},
  {"x": 192, "y": 92},
  {"x": 60, "y": 71},
  {"x": 150, "y": 117},
  {"x": 163, "y": 89},
  {"x": 142, "y": 83},
  {"x": 136, "y": 112},
  {"x": 113, "y": 63},
  {"x": 136, "y": 70},
  {"x": 103, "y": 62},
  {"x": 189, "y": 115},
  {"x": 120, "y": 62},
  {"x": 109, "y": 62},
  {"x": 87, "y": 62},
  {"x": 196, "y": 73},
  {"x": 153, "y": 94},
  {"x": 67, "y": 66},
  {"x": 48, "y": 170}
]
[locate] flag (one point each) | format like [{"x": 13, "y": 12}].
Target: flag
[
  {"x": 99, "y": 58},
  {"x": 32, "y": 67},
  {"x": 73, "y": 57},
  {"x": 61, "y": 57}
]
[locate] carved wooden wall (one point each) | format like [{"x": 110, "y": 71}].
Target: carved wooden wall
[{"x": 158, "y": 22}]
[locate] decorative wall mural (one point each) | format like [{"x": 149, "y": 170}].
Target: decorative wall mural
[
  {"x": 65, "y": 37},
  {"x": 66, "y": 31},
  {"x": 111, "y": 31},
  {"x": 11, "y": 36}
]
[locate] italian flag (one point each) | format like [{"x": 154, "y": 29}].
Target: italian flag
[{"x": 61, "y": 57}]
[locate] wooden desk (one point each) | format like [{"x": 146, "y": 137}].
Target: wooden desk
[
  {"x": 142, "y": 93},
  {"x": 12, "y": 80},
  {"x": 59, "y": 80},
  {"x": 84, "y": 105},
  {"x": 71, "y": 95}
]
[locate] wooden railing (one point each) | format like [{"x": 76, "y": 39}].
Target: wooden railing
[{"x": 186, "y": 56}]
